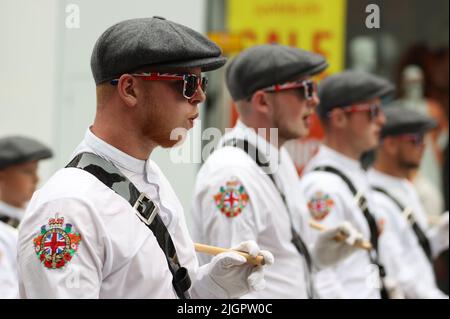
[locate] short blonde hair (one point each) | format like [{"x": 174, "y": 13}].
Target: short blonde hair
[{"x": 104, "y": 92}]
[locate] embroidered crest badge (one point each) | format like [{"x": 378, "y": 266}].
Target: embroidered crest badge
[
  {"x": 231, "y": 199},
  {"x": 56, "y": 243},
  {"x": 320, "y": 205}
]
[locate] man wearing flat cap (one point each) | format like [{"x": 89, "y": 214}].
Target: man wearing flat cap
[
  {"x": 398, "y": 155},
  {"x": 248, "y": 188},
  {"x": 109, "y": 225},
  {"x": 19, "y": 157},
  {"x": 335, "y": 184}
]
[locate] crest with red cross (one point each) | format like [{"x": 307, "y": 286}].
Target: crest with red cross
[
  {"x": 320, "y": 205},
  {"x": 231, "y": 198}
]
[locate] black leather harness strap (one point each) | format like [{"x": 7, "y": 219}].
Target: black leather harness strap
[
  {"x": 420, "y": 234},
  {"x": 11, "y": 221},
  {"x": 296, "y": 240},
  {"x": 145, "y": 208},
  {"x": 362, "y": 204}
]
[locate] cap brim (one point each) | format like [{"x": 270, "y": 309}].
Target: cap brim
[
  {"x": 37, "y": 156},
  {"x": 317, "y": 68},
  {"x": 428, "y": 126},
  {"x": 206, "y": 64},
  {"x": 382, "y": 92}
]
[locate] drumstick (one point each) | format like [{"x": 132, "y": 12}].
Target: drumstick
[
  {"x": 212, "y": 250},
  {"x": 359, "y": 243}
]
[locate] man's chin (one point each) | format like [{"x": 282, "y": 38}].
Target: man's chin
[
  {"x": 172, "y": 143},
  {"x": 294, "y": 135},
  {"x": 412, "y": 166},
  {"x": 304, "y": 133},
  {"x": 375, "y": 143}
]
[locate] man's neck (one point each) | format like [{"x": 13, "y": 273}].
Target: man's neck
[
  {"x": 389, "y": 167},
  {"x": 277, "y": 142},
  {"x": 126, "y": 141},
  {"x": 343, "y": 148},
  {"x": 12, "y": 203}
]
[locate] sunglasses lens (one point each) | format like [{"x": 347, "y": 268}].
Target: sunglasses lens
[
  {"x": 416, "y": 139},
  {"x": 190, "y": 85},
  {"x": 307, "y": 89},
  {"x": 375, "y": 111},
  {"x": 419, "y": 139},
  {"x": 309, "y": 93},
  {"x": 204, "y": 84}
]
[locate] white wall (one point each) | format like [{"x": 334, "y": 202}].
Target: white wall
[
  {"x": 47, "y": 90},
  {"x": 27, "y": 70}
]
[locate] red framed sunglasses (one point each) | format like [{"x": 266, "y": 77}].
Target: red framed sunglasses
[
  {"x": 374, "y": 109},
  {"x": 308, "y": 87},
  {"x": 191, "y": 82},
  {"x": 418, "y": 139}
]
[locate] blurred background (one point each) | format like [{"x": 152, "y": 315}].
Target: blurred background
[{"x": 47, "y": 91}]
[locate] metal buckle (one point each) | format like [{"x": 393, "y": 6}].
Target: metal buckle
[
  {"x": 145, "y": 208},
  {"x": 359, "y": 199},
  {"x": 408, "y": 213}
]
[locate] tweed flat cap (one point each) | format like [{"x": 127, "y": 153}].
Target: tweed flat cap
[
  {"x": 264, "y": 65},
  {"x": 401, "y": 120},
  {"x": 17, "y": 150},
  {"x": 350, "y": 87},
  {"x": 155, "y": 42}
]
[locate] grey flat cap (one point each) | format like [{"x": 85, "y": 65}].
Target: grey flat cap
[
  {"x": 265, "y": 65},
  {"x": 350, "y": 87},
  {"x": 17, "y": 150},
  {"x": 401, "y": 120},
  {"x": 155, "y": 42}
]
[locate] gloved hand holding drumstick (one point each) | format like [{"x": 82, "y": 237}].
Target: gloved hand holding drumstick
[
  {"x": 334, "y": 244},
  {"x": 233, "y": 272}
]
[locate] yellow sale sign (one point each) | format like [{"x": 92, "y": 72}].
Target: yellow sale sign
[{"x": 314, "y": 25}]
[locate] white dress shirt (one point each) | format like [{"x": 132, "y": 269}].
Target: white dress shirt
[
  {"x": 263, "y": 216},
  {"x": 117, "y": 256},
  {"x": 355, "y": 277}
]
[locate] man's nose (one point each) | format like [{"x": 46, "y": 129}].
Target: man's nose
[
  {"x": 314, "y": 101},
  {"x": 198, "y": 97}
]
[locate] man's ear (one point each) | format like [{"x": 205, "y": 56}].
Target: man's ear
[
  {"x": 390, "y": 145},
  {"x": 126, "y": 88},
  {"x": 260, "y": 102},
  {"x": 337, "y": 118}
]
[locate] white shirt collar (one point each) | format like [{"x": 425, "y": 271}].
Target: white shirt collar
[
  {"x": 113, "y": 154},
  {"x": 347, "y": 162},
  {"x": 147, "y": 169},
  {"x": 11, "y": 211},
  {"x": 243, "y": 131},
  {"x": 382, "y": 178}
]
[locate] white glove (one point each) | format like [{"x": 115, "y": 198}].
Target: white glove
[
  {"x": 228, "y": 275},
  {"x": 438, "y": 236},
  {"x": 328, "y": 251}
]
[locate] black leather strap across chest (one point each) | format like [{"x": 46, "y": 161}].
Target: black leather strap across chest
[
  {"x": 371, "y": 222},
  {"x": 145, "y": 208},
  {"x": 11, "y": 221},
  {"x": 296, "y": 240},
  {"x": 420, "y": 234}
]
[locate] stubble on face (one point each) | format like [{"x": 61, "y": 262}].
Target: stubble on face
[
  {"x": 291, "y": 120},
  {"x": 408, "y": 158},
  {"x": 162, "y": 119}
]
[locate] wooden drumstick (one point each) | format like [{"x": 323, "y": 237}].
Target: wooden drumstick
[
  {"x": 212, "y": 250},
  {"x": 340, "y": 237}
]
